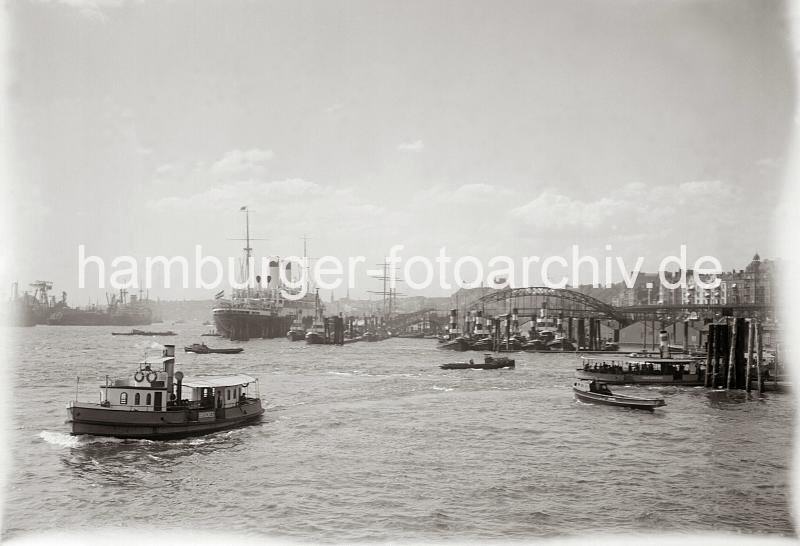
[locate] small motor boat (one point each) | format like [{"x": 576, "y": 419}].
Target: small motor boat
[
  {"x": 489, "y": 363},
  {"x": 203, "y": 349},
  {"x": 595, "y": 392}
]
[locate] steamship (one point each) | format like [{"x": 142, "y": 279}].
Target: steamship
[
  {"x": 160, "y": 403},
  {"x": 260, "y": 310}
]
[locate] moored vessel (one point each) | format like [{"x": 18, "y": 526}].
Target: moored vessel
[
  {"x": 296, "y": 332},
  {"x": 161, "y": 404},
  {"x": 265, "y": 308}
]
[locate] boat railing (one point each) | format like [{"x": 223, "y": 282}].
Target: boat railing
[{"x": 638, "y": 369}]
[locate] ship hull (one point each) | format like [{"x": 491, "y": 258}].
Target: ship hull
[
  {"x": 162, "y": 425},
  {"x": 77, "y": 317},
  {"x": 242, "y": 324}
]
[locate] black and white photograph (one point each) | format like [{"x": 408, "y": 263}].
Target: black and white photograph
[{"x": 407, "y": 272}]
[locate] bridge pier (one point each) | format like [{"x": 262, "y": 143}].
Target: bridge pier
[{"x": 686, "y": 336}]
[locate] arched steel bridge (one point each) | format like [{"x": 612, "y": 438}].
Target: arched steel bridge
[
  {"x": 557, "y": 301},
  {"x": 566, "y": 302},
  {"x": 431, "y": 316}
]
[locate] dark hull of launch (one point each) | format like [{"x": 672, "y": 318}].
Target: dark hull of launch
[{"x": 163, "y": 425}]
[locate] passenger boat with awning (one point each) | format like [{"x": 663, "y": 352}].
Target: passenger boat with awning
[
  {"x": 642, "y": 371},
  {"x": 157, "y": 402}
]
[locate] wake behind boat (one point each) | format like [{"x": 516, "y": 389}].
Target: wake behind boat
[
  {"x": 203, "y": 349},
  {"x": 594, "y": 392},
  {"x": 161, "y": 404}
]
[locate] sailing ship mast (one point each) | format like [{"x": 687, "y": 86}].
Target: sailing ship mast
[{"x": 248, "y": 251}]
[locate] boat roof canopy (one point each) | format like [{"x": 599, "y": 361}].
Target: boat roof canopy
[
  {"x": 218, "y": 380},
  {"x": 158, "y": 360}
]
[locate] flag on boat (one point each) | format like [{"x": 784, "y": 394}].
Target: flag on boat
[
  {"x": 243, "y": 208},
  {"x": 219, "y": 295}
]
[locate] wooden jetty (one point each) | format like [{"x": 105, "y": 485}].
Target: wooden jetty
[{"x": 735, "y": 357}]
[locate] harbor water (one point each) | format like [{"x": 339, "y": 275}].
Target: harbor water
[{"x": 372, "y": 441}]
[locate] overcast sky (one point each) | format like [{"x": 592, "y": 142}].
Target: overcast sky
[{"x": 140, "y": 128}]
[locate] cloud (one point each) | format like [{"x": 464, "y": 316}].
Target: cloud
[
  {"x": 91, "y": 9},
  {"x": 477, "y": 190},
  {"x": 239, "y": 163},
  {"x": 552, "y": 210},
  {"x": 290, "y": 205},
  {"x": 415, "y": 146}
]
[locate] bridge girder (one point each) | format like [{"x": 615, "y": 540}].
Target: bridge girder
[{"x": 579, "y": 304}]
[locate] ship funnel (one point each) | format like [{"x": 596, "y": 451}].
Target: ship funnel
[
  {"x": 274, "y": 273},
  {"x": 169, "y": 351},
  {"x": 179, "y": 379}
]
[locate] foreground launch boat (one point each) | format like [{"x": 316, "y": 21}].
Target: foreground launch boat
[
  {"x": 161, "y": 404},
  {"x": 595, "y": 392}
]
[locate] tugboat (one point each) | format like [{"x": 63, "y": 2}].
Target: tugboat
[
  {"x": 296, "y": 332},
  {"x": 316, "y": 336},
  {"x": 482, "y": 344},
  {"x": 535, "y": 345},
  {"x": 595, "y": 392},
  {"x": 489, "y": 363},
  {"x": 203, "y": 349},
  {"x": 161, "y": 404},
  {"x": 560, "y": 344},
  {"x": 459, "y": 343}
]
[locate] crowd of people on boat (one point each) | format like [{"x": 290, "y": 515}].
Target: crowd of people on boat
[{"x": 628, "y": 367}]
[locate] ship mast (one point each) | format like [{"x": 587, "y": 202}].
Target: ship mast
[
  {"x": 305, "y": 262},
  {"x": 248, "y": 251}
]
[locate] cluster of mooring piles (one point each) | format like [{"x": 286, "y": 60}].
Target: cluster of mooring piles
[
  {"x": 594, "y": 340},
  {"x": 735, "y": 356}
]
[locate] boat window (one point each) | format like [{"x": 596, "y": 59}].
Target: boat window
[
  {"x": 137, "y": 399},
  {"x": 148, "y": 398},
  {"x": 123, "y": 398}
]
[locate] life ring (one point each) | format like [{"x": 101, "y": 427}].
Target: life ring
[
  {"x": 152, "y": 376},
  {"x": 138, "y": 376}
]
